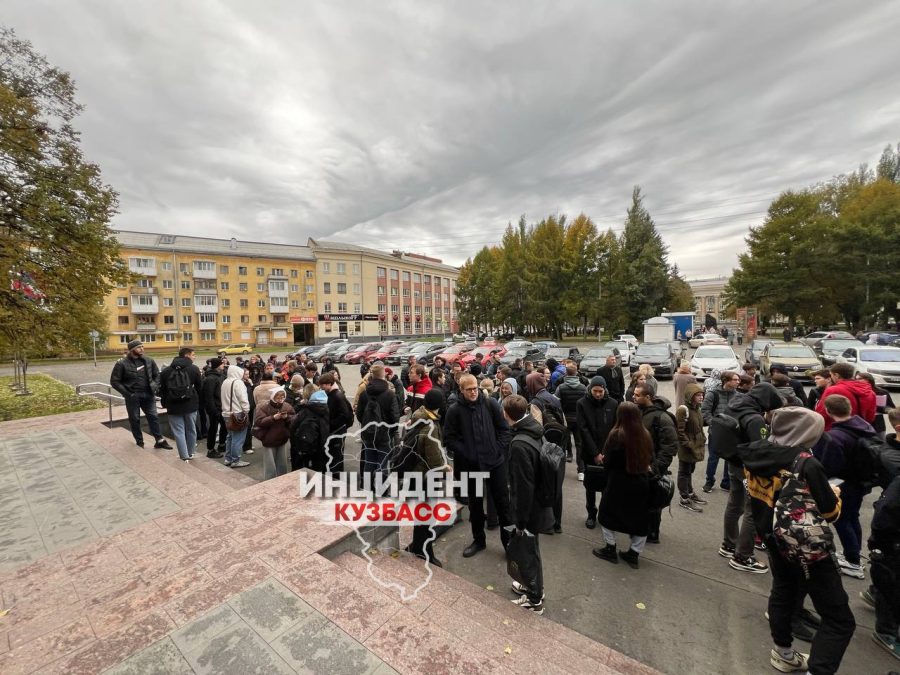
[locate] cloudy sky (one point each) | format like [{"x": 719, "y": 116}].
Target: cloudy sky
[{"x": 430, "y": 125}]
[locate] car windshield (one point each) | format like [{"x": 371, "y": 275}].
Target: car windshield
[
  {"x": 419, "y": 349},
  {"x": 759, "y": 344},
  {"x": 792, "y": 352},
  {"x": 456, "y": 349},
  {"x": 714, "y": 353},
  {"x": 884, "y": 355},
  {"x": 558, "y": 351},
  {"x": 599, "y": 353},
  {"x": 618, "y": 344},
  {"x": 839, "y": 345},
  {"x": 516, "y": 353},
  {"x": 653, "y": 350}
]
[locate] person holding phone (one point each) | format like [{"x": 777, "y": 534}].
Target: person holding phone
[{"x": 271, "y": 425}]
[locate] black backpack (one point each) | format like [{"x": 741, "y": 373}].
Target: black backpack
[
  {"x": 551, "y": 457},
  {"x": 178, "y": 384},
  {"x": 306, "y": 433},
  {"x": 866, "y": 465},
  {"x": 725, "y": 435},
  {"x": 372, "y": 414},
  {"x": 406, "y": 454}
]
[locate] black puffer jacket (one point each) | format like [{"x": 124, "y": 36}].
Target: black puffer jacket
[
  {"x": 135, "y": 376},
  {"x": 748, "y": 409},
  {"x": 658, "y": 421},
  {"x": 595, "y": 420},
  {"x": 181, "y": 406},
  {"x": 211, "y": 392},
  {"x": 477, "y": 431},
  {"x": 524, "y": 473},
  {"x": 383, "y": 393},
  {"x": 569, "y": 392}
]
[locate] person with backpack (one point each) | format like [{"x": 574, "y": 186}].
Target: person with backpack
[
  {"x": 136, "y": 378},
  {"x": 179, "y": 392},
  {"x": 569, "y": 392},
  {"x": 691, "y": 446},
  {"x": 428, "y": 455},
  {"x": 378, "y": 412},
  {"x": 547, "y": 410},
  {"x": 308, "y": 434},
  {"x": 627, "y": 456},
  {"x": 529, "y": 516},
  {"x": 716, "y": 397},
  {"x": 858, "y": 392},
  {"x": 211, "y": 399},
  {"x": 748, "y": 412},
  {"x": 660, "y": 423},
  {"x": 477, "y": 435},
  {"x": 340, "y": 419},
  {"x": 595, "y": 416},
  {"x": 272, "y": 426},
  {"x": 792, "y": 504},
  {"x": 843, "y": 455},
  {"x": 236, "y": 413}
]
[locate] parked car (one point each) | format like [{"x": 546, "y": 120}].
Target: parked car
[
  {"x": 707, "y": 339},
  {"x": 563, "y": 353},
  {"x": 883, "y": 363},
  {"x": 882, "y": 337},
  {"x": 626, "y": 350},
  {"x": 452, "y": 354},
  {"x": 596, "y": 358},
  {"x": 385, "y": 351},
  {"x": 795, "y": 357},
  {"x": 359, "y": 354},
  {"x": 547, "y": 344},
  {"x": 679, "y": 349},
  {"x": 755, "y": 349},
  {"x": 657, "y": 354},
  {"x": 398, "y": 357},
  {"x": 518, "y": 344},
  {"x": 324, "y": 351},
  {"x": 240, "y": 348},
  {"x": 499, "y": 350},
  {"x": 830, "y": 350},
  {"x": 533, "y": 353},
  {"x": 708, "y": 358},
  {"x": 338, "y": 355},
  {"x": 426, "y": 353},
  {"x": 337, "y": 341},
  {"x": 814, "y": 339}
]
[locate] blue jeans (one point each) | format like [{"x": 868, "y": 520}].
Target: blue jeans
[
  {"x": 134, "y": 405},
  {"x": 233, "y": 444},
  {"x": 847, "y": 526},
  {"x": 374, "y": 460},
  {"x": 184, "y": 429},
  {"x": 712, "y": 464}
]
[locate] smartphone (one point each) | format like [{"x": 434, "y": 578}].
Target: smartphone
[{"x": 835, "y": 482}]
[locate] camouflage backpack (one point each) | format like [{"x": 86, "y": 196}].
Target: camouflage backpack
[{"x": 801, "y": 533}]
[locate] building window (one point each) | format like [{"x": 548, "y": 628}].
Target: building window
[
  {"x": 226, "y": 318},
  {"x": 309, "y": 274},
  {"x": 437, "y": 281},
  {"x": 294, "y": 274},
  {"x": 168, "y": 302},
  {"x": 342, "y": 289},
  {"x": 261, "y": 304},
  {"x": 342, "y": 268},
  {"x": 276, "y": 303},
  {"x": 326, "y": 268},
  {"x": 277, "y": 272},
  {"x": 226, "y": 302},
  {"x": 357, "y": 308},
  {"x": 260, "y": 288},
  {"x": 122, "y": 302},
  {"x": 342, "y": 308},
  {"x": 355, "y": 289},
  {"x": 356, "y": 268},
  {"x": 428, "y": 295},
  {"x": 204, "y": 266},
  {"x": 242, "y": 287},
  {"x": 168, "y": 284},
  {"x": 206, "y": 318},
  {"x": 427, "y": 278},
  {"x": 223, "y": 269},
  {"x": 169, "y": 320},
  {"x": 417, "y": 278},
  {"x": 417, "y": 293},
  {"x": 261, "y": 318},
  {"x": 309, "y": 304},
  {"x": 185, "y": 302},
  {"x": 226, "y": 336},
  {"x": 295, "y": 304},
  {"x": 186, "y": 285},
  {"x": 187, "y": 318},
  {"x": 309, "y": 288},
  {"x": 395, "y": 308},
  {"x": 327, "y": 308},
  {"x": 260, "y": 271},
  {"x": 395, "y": 275},
  {"x": 382, "y": 308},
  {"x": 245, "y": 319},
  {"x": 207, "y": 337},
  {"x": 224, "y": 285},
  {"x": 167, "y": 266},
  {"x": 326, "y": 288},
  {"x": 381, "y": 273},
  {"x": 170, "y": 337},
  {"x": 123, "y": 320},
  {"x": 406, "y": 292},
  {"x": 405, "y": 275},
  {"x": 295, "y": 288},
  {"x": 242, "y": 271},
  {"x": 184, "y": 268},
  {"x": 394, "y": 291},
  {"x": 187, "y": 337},
  {"x": 381, "y": 290},
  {"x": 144, "y": 283},
  {"x": 125, "y": 339}
]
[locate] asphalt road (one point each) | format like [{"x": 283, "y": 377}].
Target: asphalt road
[{"x": 684, "y": 611}]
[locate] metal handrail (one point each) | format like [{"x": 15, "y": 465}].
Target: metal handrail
[{"x": 80, "y": 391}]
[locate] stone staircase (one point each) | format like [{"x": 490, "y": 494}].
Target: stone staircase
[{"x": 127, "y": 592}]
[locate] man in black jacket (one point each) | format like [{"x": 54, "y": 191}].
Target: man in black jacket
[
  {"x": 596, "y": 416},
  {"x": 658, "y": 421},
  {"x": 179, "y": 391},
  {"x": 378, "y": 425},
  {"x": 569, "y": 391},
  {"x": 615, "y": 380},
  {"x": 478, "y": 436},
  {"x": 524, "y": 474},
  {"x": 211, "y": 400},
  {"x": 136, "y": 378},
  {"x": 340, "y": 418}
]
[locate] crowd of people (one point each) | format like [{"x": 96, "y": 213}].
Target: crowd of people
[{"x": 793, "y": 463}]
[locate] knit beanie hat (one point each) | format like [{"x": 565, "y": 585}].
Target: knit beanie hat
[{"x": 434, "y": 399}]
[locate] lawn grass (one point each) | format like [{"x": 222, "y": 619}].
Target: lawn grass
[{"x": 48, "y": 397}]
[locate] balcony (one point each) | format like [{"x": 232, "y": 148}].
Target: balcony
[
  {"x": 278, "y": 289},
  {"x": 204, "y": 270},
  {"x": 143, "y": 290},
  {"x": 206, "y": 325},
  {"x": 206, "y": 303},
  {"x": 144, "y": 304},
  {"x": 143, "y": 326},
  {"x": 143, "y": 266}
]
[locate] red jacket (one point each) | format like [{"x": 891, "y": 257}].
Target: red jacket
[
  {"x": 417, "y": 391},
  {"x": 862, "y": 399}
]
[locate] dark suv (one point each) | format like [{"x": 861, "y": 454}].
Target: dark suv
[
  {"x": 660, "y": 355},
  {"x": 563, "y": 353}
]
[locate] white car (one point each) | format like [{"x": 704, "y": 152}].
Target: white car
[
  {"x": 707, "y": 339},
  {"x": 708, "y": 358},
  {"x": 626, "y": 350},
  {"x": 883, "y": 363}
]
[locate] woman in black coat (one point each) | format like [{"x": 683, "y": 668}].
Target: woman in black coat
[{"x": 623, "y": 506}]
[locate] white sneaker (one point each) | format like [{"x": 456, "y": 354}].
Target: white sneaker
[
  {"x": 249, "y": 451},
  {"x": 797, "y": 662},
  {"x": 581, "y": 477},
  {"x": 521, "y": 590},
  {"x": 851, "y": 570}
]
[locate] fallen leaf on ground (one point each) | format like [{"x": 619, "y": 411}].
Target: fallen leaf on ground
[{"x": 641, "y": 605}]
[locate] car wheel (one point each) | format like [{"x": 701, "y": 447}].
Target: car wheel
[{"x": 245, "y": 352}]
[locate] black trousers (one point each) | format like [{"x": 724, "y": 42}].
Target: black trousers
[
  {"x": 557, "y": 507},
  {"x": 216, "y": 426},
  {"x": 498, "y": 486},
  {"x": 885, "y": 571},
  {"x": 828, "y": 597},
  {"x": 654, "y": 518}
]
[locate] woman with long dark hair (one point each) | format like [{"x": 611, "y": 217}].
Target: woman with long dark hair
[{"x": 623, "y": 506}]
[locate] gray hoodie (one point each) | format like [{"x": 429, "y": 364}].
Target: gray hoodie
[{"x": 795, "y": 426}]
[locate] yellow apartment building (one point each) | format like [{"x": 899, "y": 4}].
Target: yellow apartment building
[{"x": 209, "y": 292}]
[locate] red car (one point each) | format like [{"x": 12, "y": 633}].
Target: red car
[
  {"x": 386, "y": 350},
  {"x": 499, "y": 350},
  {"x": 453, "y": 354},
  {"x": 359, "y": 354}
]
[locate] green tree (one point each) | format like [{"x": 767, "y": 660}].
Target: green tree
[
  {"x": 580, "y": 265},
  {"x": 889, "y": 165},
  {"x": 55, "y": 211},
  {"x": 545, "y": 275},
  {"x": 679, "y": 296}
]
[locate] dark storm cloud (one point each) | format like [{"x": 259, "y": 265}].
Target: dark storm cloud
[{"x": 429, "y": 126}]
